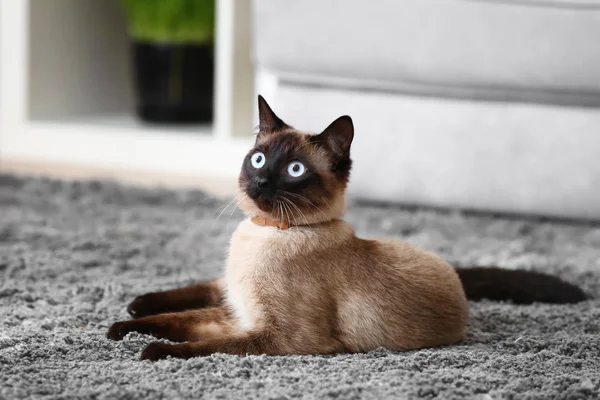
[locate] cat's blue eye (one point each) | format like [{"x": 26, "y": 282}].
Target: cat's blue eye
[
  {"x": 296, "y": 169},
  {"x": 257, "y": 160}
]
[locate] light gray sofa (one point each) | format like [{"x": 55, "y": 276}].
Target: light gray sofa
[{"x": 477, "y": 104}]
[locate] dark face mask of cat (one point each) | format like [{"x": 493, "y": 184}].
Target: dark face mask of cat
[
  {"x": 295, "y": 176},
  {"x": 278, "y": 174}
]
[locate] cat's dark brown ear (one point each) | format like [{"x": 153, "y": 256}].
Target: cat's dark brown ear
[
  {"x": 337, "y": 137},
  {"x": 268, "y": 121}
]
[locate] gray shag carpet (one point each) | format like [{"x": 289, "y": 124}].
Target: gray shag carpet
[{"x": 72, "y": 256}]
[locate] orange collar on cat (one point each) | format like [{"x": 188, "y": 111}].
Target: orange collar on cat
[{"x": 270, "y": 222}]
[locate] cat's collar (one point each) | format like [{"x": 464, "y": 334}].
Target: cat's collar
[{"x": 262, "y": 221}]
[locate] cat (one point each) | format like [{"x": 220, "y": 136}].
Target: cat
[{"x": 298, "y": 280}]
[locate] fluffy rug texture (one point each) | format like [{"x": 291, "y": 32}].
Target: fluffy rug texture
[{"x": 72, "y": 256}]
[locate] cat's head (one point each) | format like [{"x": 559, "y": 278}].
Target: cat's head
[{"x": 296, "y": 176}]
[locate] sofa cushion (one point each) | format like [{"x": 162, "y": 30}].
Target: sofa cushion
[{"x": 524, "y": 50}]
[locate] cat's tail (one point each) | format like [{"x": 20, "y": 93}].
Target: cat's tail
[{"x": 519, "y": 286}]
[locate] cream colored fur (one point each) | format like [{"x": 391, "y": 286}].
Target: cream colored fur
[{"x": 322, "y": 289}]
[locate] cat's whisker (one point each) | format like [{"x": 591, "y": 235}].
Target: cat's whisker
[
  {"x": 280, "y": 215},
  {"x": 283, "y": 210},
  {"x": 278, "y": 204},
  {"x": 224, "y": 207},
  {"x": 281, "y": 218},
  {"x": 301, "y": 212},
  {"x": 282, "y": 197},
  {"x": 290, "y": 213},
  {"x": 291, "y": 203},
  {"x": 306, "y": 200},
  {"x": 233, "y": 204},
  {"x": 237, "y": 201},
  {"x": 296, "y": 195},
  {"x": 298, "y": 209},
  {"x": 326, "y": 202}
]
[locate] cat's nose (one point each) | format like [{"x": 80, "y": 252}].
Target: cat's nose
[{"x": 261, "y": 182}]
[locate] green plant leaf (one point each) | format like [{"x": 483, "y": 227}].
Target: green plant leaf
[{"x": 171, "y": 21}]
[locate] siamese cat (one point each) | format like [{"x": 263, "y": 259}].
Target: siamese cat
[{"x": 299, "y": 281}]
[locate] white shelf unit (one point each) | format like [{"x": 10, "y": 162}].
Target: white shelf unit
[{"x": 66, "y": 92}]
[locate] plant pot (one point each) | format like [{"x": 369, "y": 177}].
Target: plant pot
[{"x": 174, "y": 82}]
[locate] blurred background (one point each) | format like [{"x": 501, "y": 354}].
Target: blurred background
[{"x": 487, "y": 105}]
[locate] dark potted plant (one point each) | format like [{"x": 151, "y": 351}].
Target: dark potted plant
[{"x": 173, "y": 53}]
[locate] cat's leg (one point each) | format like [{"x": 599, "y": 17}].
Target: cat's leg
[
  {"x": 200, "y": 295},
  {"x": 178, "y": 327},
  {"x": 240, "y": 344},
  {"x": 243, "y": 343}
]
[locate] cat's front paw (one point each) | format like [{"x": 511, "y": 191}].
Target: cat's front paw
[
  {"x": 144, "y": 305},
  {"x": 157, "y": 351},
  {"x": 119, "y": 330}
]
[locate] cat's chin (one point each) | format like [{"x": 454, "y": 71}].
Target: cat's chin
[
  {"x": 249, "y": 206},
  {"x": 252, "y": 209},
  {"x": 255, "y": 205}
]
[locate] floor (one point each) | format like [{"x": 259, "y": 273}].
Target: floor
[
  {"x": 74, "y": 254},
  {"x": 215, "y": 186}
]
